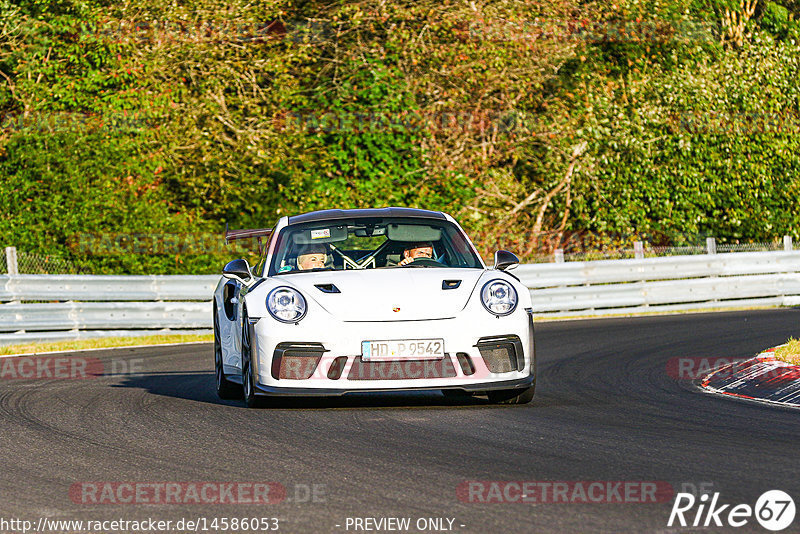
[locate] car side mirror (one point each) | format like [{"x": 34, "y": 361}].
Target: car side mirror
[
  {"x": 239, "y": 270},
  {"x": 504, "y": 259}
]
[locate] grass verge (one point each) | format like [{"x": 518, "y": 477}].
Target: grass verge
[
  {"x": 101, "y": 343},
  {"x": 789, "y": 353}
]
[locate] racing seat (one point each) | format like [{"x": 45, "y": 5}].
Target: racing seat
[{"x": 393, "y": 254}]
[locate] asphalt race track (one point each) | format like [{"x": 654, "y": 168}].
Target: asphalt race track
[{"x": 606, "y": 409}]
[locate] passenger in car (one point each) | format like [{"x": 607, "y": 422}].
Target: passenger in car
[{"x": 312, "y": 257}]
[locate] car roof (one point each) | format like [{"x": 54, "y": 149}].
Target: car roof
[{"x": 328, "y": 215}]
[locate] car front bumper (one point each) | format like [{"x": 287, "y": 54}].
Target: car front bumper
[
  {"x": 271, "y": 391},
  {"x": 339, "y": 341}
]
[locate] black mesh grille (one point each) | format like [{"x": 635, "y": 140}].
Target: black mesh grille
[
  {"x": 298, "y": 365},
  {"x": 401, "y": 370},
  {"x": 296, "y": 361},
  {"x": 502, "y": 354}
]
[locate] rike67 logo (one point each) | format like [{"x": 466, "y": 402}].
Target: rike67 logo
[{"x": 774, "y": 510}]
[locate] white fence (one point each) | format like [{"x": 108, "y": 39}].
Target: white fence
[{"x": 70, "y": 306}]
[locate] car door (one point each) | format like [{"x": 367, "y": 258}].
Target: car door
[{"x": 231, "y": 325}]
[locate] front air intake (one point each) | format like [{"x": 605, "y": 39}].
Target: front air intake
[
  {"x": 336, "y": 368},
  {"x": 296, "y": 361},
  {"x": 502, "y": 354},
  {"x": 467, "y": 367}
]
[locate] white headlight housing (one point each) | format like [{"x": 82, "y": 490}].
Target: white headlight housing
[
  {"x": 286, "y": 305},
  {"x": 499, "y": 297}
]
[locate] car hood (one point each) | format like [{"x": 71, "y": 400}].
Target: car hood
[{"x": 397, "y": 294}]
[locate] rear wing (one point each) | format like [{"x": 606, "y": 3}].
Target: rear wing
[{"x": 256, "y": 233}]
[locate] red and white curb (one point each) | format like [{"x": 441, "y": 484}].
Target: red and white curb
[{"x": 762, "y": 378}]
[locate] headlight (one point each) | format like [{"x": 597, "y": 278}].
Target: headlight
[
  {"x": 499, "y": 297},
  {"x": 286, "y": 305}
]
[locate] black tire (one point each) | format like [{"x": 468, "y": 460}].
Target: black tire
[
  {"x": 512, "y": 396},
  {"x": 248, "y": 389},
  {"x": 225, "y": 388}
]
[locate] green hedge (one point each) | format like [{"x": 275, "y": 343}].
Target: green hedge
[{"x": 167, "y": 120}]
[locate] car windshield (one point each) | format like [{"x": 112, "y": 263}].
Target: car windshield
[{"x": 371, "y": 244}]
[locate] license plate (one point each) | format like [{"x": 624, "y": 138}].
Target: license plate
[{"x": 402, "y": 349}]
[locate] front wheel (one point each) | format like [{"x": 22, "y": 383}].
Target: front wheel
[
  {"x": 512, "y": 396},
  {"x": 248, "y": 383}
]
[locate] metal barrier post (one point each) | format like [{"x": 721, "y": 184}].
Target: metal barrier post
[
  {"x": 638, "y": 250},
  {"x": 11, "y": 260}
]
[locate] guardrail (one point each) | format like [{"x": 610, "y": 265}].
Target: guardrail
[
  {"x": 664, "y": 284},
  {"x": 88, "y": 306},
  {"x": 78, "y": 306},
  {"x": 66, "y": 287}
]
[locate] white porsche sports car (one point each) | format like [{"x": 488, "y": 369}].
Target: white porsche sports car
[{"x": 391, "y": 299}]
